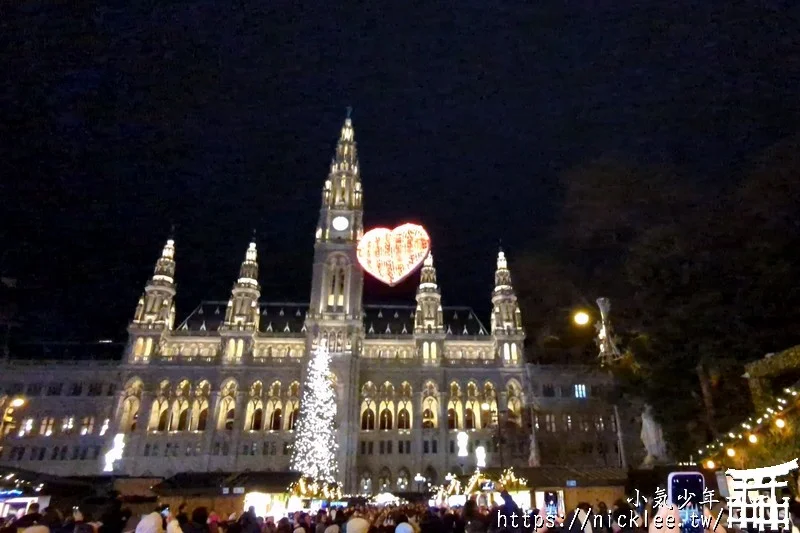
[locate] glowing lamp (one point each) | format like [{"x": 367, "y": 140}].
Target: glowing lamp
[
  {"x": 710, "y": 464},
  {"x": 480, "y": 457},
  {"x": 393, "y": 255},
  {"x": 461, "y": 439},
  {"x": 731, "y": 452},
  {"x": 780, "y": 422},
  {"x": 752, "y": 438},
  {"x": 115, "y": 453},
  {"x": 581, "y": 318},
  {"x": 17, "y": 402}
]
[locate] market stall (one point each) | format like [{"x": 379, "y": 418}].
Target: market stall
[{"x": 21, "y": 488}]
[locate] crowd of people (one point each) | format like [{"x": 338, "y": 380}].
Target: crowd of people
[{"x": 505, "y": 517}]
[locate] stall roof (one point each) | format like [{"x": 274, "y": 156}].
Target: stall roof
[
  {"x": 192, "y": 484},
  {"x": 563, "y": 476},
  {"x": 28, "y": 480},
  {"x": 270, "y": 482},
  {"x": 208, "y": 483}
]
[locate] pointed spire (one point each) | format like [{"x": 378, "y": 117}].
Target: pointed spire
[
  {"x": 502, "y": 276},
  {"x": 346, "y": 157},
  {"x": 505, "y": 314},
  {"x": 155, "y": 305},
  {"x": 248, "y": 272},
  {"x": 427, "y": 278},
  {"x": 242, "y": 311},
  {"x": 428, "y": 318},
  {"x": 165, "y": 266}
]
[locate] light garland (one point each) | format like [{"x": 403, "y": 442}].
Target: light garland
[
  {"x": 393, "y": 255},
  {"x": 314, "y": 453},
  {"x": 307, "y": 487},
  {"x": 510, "y": 480},
  {"x": 749, "y": 429},
  {"x": 473, "y": 482}
]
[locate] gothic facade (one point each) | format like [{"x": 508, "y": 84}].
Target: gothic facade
[{"x": 220, "y": 389}]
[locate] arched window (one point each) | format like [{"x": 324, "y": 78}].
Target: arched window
[
  {"x": 386, "y": 419},
  {"x": 452, "y": 419},
  {"x": 337, "y": 277},
  {"x": 227, "y": 406},
  {"x": 403, "y": 479},
  {"x": 469, "y": 418},
  {"x": 163, "y": 418},
  {"x": 257, "y": 419},
  {"x": 199, "y": 418},
  {"x": 404, "y": 415},
  {"x": 274, "y": 414},
  {"x": 275, "y": 419},
  {"x": 182, "y": 410},
  {"x": 430, "y": 410},
  {"x": 138, "y": 347},
  {"x": 230, "y": 418},
  {"x": 385, "y": 480},
  {"x": 367, "y": 416},
  {"x": 454, "y": 407},
  {"x": 365, "y": 483},
  {"x": 426, "y": 351},
  {"x": 292, "y": 410},
  {"x": 202, "y": 418},
  {"x": 255, "y": 408},
  {"x": 230, "y": 350},
  {"x": 130, "y": 413},
  {"x": 293, "y": 416},
  {"x": 430, "y": 475},
  {"x": 130, "y": 405},
  {"x": 239, "y": 348}
]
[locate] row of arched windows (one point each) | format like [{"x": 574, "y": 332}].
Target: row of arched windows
[
  {"x": 387, "y": 408},
  {"x": 401, "y": 482},
  {"x": 186, "y": 408}
]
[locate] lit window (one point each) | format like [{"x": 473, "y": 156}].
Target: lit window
[
  {"x": 67, "y": 425},
  {"x": 27, "y": 427},
  {"x": 580, "y": 391},
  {"x": 104, "y": 429},
  {"x": 87, "y": 425}
]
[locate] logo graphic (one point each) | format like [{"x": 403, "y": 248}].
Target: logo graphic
[{"x": 753, "y": 502}]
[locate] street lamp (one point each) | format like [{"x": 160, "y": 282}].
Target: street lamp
[
  {"x": 581, "y": 318},
  {"x": 17, "y": 402}
]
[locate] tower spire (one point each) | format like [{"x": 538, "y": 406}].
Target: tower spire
[
  {"x": 428, "y": 317},
  {"x": 242, "y": 312},
  {"x": 156, "y": 307},
  {"x": 505, "y": 314},
  {"x": 343, "y": 187}
]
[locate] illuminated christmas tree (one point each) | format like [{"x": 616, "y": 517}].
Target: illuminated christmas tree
[{"x": 314, "y": 454}]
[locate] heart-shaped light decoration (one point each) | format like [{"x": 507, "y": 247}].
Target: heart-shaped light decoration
[{"x": 391, "y": 255}]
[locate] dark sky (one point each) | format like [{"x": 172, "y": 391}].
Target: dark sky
[{"x": 221, "y": 117}]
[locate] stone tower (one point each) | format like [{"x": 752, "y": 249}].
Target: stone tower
[{"x": 335, "y": 309}]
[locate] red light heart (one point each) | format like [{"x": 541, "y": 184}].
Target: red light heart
[{"x": 393, "y": 255}]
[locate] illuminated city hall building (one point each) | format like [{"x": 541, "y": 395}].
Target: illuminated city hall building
[{"x": 220, "y": 389}]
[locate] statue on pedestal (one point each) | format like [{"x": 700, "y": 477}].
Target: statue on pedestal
[{"x": 652, "y": 437}]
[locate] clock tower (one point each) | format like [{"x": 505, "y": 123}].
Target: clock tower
[
  {"x": 337, "y": 279},
  {"x": 335, "y": 312}
]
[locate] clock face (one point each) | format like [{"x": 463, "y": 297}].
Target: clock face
[{"x": 340, "y": 223}]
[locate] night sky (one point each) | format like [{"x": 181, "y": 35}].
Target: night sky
[{"x": 221, "y": 117}]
